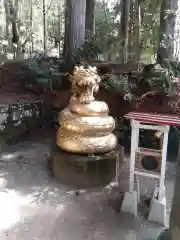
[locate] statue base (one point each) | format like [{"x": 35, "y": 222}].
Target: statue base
[{"x": 85, "y": 171}]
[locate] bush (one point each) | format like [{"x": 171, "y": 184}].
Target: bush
[{"x": 44, "y": 67}]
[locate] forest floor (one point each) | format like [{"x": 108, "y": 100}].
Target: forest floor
[{"x": 33, "y": 206}]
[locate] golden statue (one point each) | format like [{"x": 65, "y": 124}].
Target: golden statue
[{"x": 85, "y": 126}]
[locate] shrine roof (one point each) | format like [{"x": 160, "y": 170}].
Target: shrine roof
[{"x": 154, "y": 118}]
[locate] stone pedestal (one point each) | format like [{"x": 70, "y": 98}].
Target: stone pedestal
[
  {"x": 158, "y": 211},
  {"x": 85, "y": 171},
  {"x": 131, "y": 201}
]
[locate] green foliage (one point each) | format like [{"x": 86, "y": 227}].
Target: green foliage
[
  {"x": 43, "y": 67},
  {"x": 90, "y": 49},
  {"x": 36, "y": 64},
  {"x": 171, "y": 71},
  {"x": 106, "y": 27},
  {"x": 19, "y": 118},
  {"x": 150, "y": 17},
  {"x": 120, "y": 83},
  {"x": 163, "y": 78},
  {"x": 165, "y": 235},
  {"x": 105, "y": 39},
  {"x": 174, "y": 67}
]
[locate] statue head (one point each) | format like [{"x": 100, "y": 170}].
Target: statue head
[{"x": 85, "y": 82}]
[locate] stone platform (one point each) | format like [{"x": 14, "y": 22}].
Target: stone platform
[{"x": 85, "y": 171}]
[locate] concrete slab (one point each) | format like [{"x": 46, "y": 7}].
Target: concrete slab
[
  {"x": 130, "y": 203},
  {"x": 157, "y": 211}
]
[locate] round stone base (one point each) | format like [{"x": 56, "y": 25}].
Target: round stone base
[{"x": 84, "y": 171}]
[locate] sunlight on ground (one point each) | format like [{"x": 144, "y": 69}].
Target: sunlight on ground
[
  {"x": 12, "y": 209},
  {"x": 8, "y": 156}
]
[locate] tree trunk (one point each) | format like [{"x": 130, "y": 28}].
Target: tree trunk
[
  {"x": 31, "y": 20},
  {"x": 44, "y": 25},
  {"x": 172, "y": 25},
  {"x": 167, "y": 25},
  {"x": 131, "y": 30},
  {"x": 125, "y": 5},
  {"x": 90, "y": 5},
  {"x": 66, "y": 34},
  {"x": 134, "y": 34},
  {"x": 75, "y": 26},
  {"x": 137, "y": 31},
  {"x": 162, "y": 51},
  {"x": 59, "y": 28}
]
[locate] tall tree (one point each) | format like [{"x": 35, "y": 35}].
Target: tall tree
[
  {"x": 131, "y": 30},
  {"x": 124, "y": 24},
  {"x": 137, "y": 31},
  {"x": 90, "y": 7},
  {"x": 167, "y": 25},
  {"x": 75, "y": 26},
  {"x": 134, "y": 31},
  {"x": 66, "y": 34},
  {"x": 44, "y": 24}
]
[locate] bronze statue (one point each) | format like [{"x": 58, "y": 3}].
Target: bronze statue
[{"x": 85, "y": 126}]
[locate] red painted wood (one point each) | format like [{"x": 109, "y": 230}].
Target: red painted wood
[{"x": 160, "y": 119}]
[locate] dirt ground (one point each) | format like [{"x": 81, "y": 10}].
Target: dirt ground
[{"x": 34, "y": 206}]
